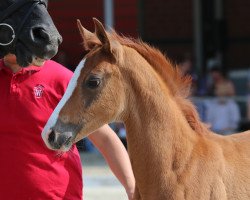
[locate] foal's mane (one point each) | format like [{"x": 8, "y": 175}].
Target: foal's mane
[{"x": 179, "y": 85}]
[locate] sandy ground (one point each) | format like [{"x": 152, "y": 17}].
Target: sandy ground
[{"x": 99, "y": 181}]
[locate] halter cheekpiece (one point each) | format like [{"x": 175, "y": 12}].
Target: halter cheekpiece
[{"x": 13, "y": 8}]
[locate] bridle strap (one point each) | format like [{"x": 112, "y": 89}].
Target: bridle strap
[
  {"x": 13, "y": 8},
  {"x": 20, "y": 26}
]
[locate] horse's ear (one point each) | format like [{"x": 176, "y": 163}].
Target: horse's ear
[
  {"x": 102, "y": 34},
  {"x": 111, "y": 46},
  {"x": 89, "y": 39}
]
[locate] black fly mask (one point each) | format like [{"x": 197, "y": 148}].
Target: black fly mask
[{"x": 27, "y": 30}]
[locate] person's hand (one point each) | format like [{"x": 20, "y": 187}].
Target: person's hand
[
  {"x": 130, "y": 194},
  {"x": 130, "y": 189}
]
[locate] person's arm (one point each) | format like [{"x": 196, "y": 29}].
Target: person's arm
[
  {"x": 112, "y": 149},
  {"x": 209, "y": 114},
  {"x": 234, "y": 115},
  {"x": 248, "y": 108}
]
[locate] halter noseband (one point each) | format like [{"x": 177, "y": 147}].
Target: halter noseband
[{"x": 13, "y": 8}]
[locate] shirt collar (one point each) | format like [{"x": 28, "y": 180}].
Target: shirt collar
[{"x": 29, "y": 69}]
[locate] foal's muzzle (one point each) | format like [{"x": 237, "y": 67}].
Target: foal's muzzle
[
  {"x": 60, "y": 141},
  {"x": 59, "y": 135}
]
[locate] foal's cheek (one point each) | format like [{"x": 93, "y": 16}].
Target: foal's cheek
[
  {"x": 78, "y": 138},
  {"x": 84, "y": 133}
]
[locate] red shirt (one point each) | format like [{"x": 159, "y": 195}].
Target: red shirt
[{"x": 28, "y": 169}]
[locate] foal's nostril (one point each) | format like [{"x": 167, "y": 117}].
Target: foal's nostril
[
  {"x": 40, "y": 34},
  {"x": 51, "y": 137}
]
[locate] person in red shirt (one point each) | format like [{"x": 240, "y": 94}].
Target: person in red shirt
[{"x": 29, "y": 170}]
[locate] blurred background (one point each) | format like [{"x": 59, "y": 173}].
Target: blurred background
[
  {"x": 208, "y": 40},
  {"x": 208, "y": 29}
]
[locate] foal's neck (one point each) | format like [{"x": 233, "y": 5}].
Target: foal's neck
[
  {"x": 157, "y": 128},
  {"x": 153, "y": 115},
  {"x": 160, "y": 140}
]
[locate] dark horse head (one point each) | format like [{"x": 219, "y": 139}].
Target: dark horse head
[{"x": 27, "y": 30}]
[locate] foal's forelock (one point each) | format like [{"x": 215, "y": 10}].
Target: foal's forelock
[{"x": 71, "y": 87}]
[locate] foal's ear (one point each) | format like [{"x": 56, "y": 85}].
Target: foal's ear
[
  {"x": 89, "y": 39},
  {"x": 102, "y": 34}
]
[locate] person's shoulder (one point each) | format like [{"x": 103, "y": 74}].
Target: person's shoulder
[
  {"x": 232, "y": 102},
  {"x": 55, "y": 76},
  {"x": 53, "y": 68}
]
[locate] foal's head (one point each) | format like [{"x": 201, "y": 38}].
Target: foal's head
[
  {"x": 107, "y": 81},
  {"x": 95, "y": 92},
  {"x": 27, "y": 30}
]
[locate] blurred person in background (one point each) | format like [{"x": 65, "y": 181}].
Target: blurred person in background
[
  {"x": 198, "y": 87},
  {"x": 185, "y": 66},
  {"x": 222, "y": 112},
  {"x": 248, "y": 97},
  {"x": 219, "y": 80}
]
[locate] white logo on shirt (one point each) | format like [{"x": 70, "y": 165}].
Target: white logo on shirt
[{"x": 38, "y": 91}]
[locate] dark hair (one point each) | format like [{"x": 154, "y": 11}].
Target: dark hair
[
  {"x": 219, "y": 70},
  {"x": 185, "y": 57}
]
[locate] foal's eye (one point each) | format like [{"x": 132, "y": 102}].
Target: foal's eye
[{"x": 93, "y": 82}]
